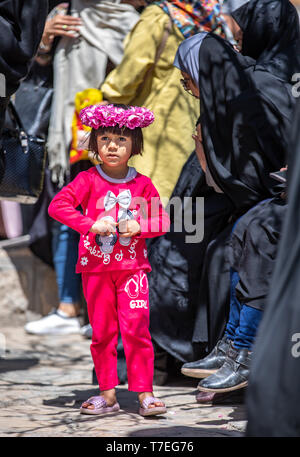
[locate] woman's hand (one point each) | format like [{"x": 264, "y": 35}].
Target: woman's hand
[
  {"x": 129, "y": 228},
  {"x": 199, "y": 147},
  {"x": 104, "y": 227},
  {"x": 60, "y": 25}
]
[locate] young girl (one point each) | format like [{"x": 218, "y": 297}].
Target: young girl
[{"x": 121, "y": 208}]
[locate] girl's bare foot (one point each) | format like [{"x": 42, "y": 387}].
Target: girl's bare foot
[{"x": 108, "y": 395}]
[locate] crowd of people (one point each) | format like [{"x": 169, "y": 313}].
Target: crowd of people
[{"x": 206, "y": 90}]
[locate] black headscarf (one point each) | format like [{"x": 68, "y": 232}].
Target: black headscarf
[
  {"x": 246, "y": 100},
  {"x": 246, "y": 103},
  {"x": 270, "y": 35}
]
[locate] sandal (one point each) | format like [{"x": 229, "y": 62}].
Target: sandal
[
  {"x": 146, "y": 411},
  {"x": 100, "y": 406}
]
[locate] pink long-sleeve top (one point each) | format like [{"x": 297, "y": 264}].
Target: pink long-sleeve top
[{"x": 100, "y": 196}]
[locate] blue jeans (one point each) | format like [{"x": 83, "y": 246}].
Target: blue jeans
[
  {"x": 243, "y": 320},
  {"x": 65, "y": 252}
]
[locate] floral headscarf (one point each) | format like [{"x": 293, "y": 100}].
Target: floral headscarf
[{"x": 193, "y": 16}]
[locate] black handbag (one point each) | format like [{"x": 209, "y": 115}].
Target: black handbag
[
  {"x": 33, "y": 103},
  {"x": 23, "y": 161}
]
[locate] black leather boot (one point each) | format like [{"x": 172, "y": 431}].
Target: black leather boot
[
  {"x": 232, "y": 375},
  {"x": 210, "y": 364}
]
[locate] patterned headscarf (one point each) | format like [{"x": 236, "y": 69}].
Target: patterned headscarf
[{"x": 193, "y": 16}]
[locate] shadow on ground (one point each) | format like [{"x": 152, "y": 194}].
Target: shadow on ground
[
  {"x": 17, "y": 364},
  {"x": 183, "y": 432}
]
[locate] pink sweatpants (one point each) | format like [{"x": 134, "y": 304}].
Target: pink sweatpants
[{"x": 119, "y": 300}]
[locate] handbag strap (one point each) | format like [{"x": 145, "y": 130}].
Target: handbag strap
[
  {"x": 23, "y": 137},
  {"x": 14, "y": 116}
]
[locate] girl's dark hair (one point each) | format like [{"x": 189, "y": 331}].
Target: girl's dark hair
[{"x": 135, "y": 134}]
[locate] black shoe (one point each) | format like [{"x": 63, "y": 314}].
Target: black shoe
[
  {"x": 210, "y": 364},
  {"x": 232, "y": 375}
]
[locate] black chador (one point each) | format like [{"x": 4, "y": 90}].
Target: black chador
[
  {"x": 274, "y": 396},
  {"x": 246, "y": 104}
]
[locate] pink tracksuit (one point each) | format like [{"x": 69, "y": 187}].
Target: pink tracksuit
[{"x": 114, "y": 270}]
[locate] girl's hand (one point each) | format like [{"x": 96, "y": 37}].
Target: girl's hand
[
  {"x": 199, "y": 147},
  {"x": 104, "y": 227},
  {"x": 60, "y": 25},
  {"x": 129, "y": 228}
]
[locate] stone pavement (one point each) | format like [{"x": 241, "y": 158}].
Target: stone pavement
[{"x": 43, "y": 381}]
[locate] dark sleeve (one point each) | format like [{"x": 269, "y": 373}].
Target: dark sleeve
[{"x": 21, "y": 28}]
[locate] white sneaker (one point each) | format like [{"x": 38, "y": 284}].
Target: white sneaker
[
  {"x": 56, "y": 323},
  {"x": 87, "y": 331}
]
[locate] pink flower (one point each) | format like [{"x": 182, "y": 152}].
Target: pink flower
[
  {"x": 109, "y": 116},
  {"x": 148, "y": 118},
  {"x": 133, "y": 121}
]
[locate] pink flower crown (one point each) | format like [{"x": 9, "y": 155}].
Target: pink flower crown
[{"x": 96, "y": 116}]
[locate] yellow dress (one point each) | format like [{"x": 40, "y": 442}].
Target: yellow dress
[{"x": 168, "y": 141}]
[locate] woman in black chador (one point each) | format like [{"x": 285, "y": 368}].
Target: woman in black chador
[
  {"x": 246, "y": 107},
  {"x": 273, "y": 396}
]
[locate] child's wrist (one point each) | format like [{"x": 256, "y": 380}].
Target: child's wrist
[
  {"x": 138, "y": 229},
  {"x": 92, "y": 229}
]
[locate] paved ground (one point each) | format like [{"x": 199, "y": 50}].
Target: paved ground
[{"x": 44, "y": 380}]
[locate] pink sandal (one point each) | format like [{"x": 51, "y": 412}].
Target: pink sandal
[
  {"x": 146, "y": 411},
  {"x": 100, "y": 406}
]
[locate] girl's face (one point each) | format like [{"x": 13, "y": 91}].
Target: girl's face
[{"x": 114, "y": 150}]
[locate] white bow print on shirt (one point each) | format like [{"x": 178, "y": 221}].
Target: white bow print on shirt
[{"x": 124, "y": 199}]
